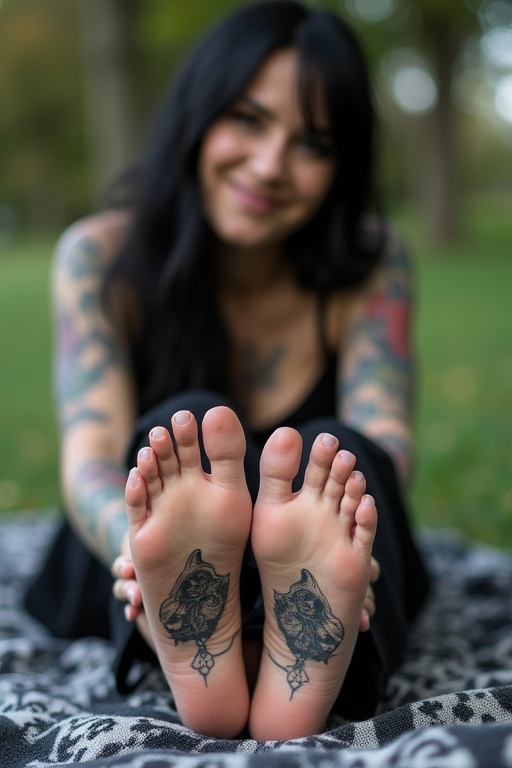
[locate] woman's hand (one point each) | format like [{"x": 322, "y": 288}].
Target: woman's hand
[{"x": 126, "y": 587}]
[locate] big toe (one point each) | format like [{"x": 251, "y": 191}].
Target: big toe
[
  {"x": 224, "y": 444},
  {"x": 279, "y": 464}
]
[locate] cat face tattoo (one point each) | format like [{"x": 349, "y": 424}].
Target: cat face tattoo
[
  {"x": 309, "y": 626},
  {"x": 194, "y": 607}
]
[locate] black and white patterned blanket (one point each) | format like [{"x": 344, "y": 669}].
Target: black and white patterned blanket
[{"x": 450, "y": 706}]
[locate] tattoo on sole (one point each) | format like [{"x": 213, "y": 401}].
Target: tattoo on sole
[
  {"x": 310, "y": 628},
  {"x": 193, "y": 610}
]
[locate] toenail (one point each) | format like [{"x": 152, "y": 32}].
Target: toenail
[
  {"x": 157, "y": 432},
  {"x": 329, "y": 440},
  {"x": 368, "y": 500},
  {"x": 347, "y": 457},
  {"x": 182, "y": 417},
  {"x": 359, "y": 477},
  {"x": 145, "y": 454}
]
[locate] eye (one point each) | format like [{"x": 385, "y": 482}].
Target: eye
[
  {"x": 245, "y": 117},
  {"x": 315, "y": 146}
]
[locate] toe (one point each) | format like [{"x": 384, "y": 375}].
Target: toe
[
  {"x": 136, "y": 498},
  {"x": 224, "y": 444},
  {"x": 279, "y": 464},
  {"x": 320, "y": 461},
  {"x": 366, "y": 521},
  {"x": 161, "y": 443},
  {"x": 354, "y": 490},
  {"x": 365, "y": 528},
  {"x": 147, "y": 465},
  {"x": 340, "y": 470},
  {"x": 184, "y": 427}
]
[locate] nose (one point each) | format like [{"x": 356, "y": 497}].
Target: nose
[{"x": 269, "y": 159}]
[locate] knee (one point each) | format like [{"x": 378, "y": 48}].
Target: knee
[
  {"x": 348, "y": 438},
  {"x": 197, "y": 401},
  {"x": 365, "y": 449}
]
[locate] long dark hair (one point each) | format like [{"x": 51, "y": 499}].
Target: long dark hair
[{"x": 166, "y": 257}]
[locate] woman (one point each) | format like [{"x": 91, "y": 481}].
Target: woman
[{"x": 249, "y": 282}]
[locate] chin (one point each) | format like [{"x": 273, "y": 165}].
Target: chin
[{"x": 246, "y": 240}]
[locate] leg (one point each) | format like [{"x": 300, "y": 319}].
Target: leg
[
  {"x": 313, "y": 549},
  {"x": 188, "y": 531}
]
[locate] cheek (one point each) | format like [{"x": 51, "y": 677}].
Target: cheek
[
  {"x": 314, "y": 185},
  {"x": 220, "y": 147}
]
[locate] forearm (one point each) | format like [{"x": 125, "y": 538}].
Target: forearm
[
  {"x": 396, "y": 438},
  {"x": 95, "y": 500}
]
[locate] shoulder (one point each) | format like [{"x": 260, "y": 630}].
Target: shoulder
[
  {"x": 91, "y": 243},
  {"x": 395, "y": 269}
]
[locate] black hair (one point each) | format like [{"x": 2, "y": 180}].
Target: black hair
[{"x": 166, "y": 257}]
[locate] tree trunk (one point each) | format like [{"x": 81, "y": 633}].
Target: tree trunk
[
  {"x": 440, "y": 188},
  {"x": 110, "y": 79}
]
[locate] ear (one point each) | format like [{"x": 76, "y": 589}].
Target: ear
[
  {"x": 194, "y": 560},
  {"x": 308, "y": 580}
]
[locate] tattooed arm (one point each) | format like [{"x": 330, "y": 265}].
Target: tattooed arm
[
  {"x": 94, "y": 394},
  {"x": 376, "y": 383}
]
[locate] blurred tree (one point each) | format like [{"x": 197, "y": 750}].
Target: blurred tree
[
  {"x": 129, "y": 49},
  {"x": 425, "y": 35},
  {"x": 40, "y": 128},
  {"x": 444, "y": 27},
  {"x": 111, "y": 74}
]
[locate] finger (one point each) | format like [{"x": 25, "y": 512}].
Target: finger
[
  {"x": 132, "y": 613},
  {"x": 369, "y": 602},
  {"x": 122, "y": 568},
  {"x": 129, "y": 591},
  {"x": 364, "y": 621},
  {"x": 374, "y": 570}
]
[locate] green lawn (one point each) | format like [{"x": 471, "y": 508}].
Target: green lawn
[
  {"x": 464, "y": 413},
  {"x": 464, "y": 341},
  {"x": 28, "y": 456}
]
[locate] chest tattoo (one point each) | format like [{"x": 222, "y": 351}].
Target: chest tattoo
[{"x": 260, "y": 369}]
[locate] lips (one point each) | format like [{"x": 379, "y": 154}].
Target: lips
[{"x": 254, "y": 201}]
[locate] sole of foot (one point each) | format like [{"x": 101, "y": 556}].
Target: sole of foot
[
  {"x": 188, "y": 530},
  {"x": 313, "y": 549}
]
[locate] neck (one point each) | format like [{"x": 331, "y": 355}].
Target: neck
[{"x": 248, "y": 271}]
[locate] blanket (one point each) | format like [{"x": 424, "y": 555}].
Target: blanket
[{"x": 450, "y": 705}]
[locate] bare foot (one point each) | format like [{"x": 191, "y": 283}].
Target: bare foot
[
  {"x": 188, "y": 531},
  {"x": 313, "y": 550}
]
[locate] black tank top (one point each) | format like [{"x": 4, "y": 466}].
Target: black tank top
[{"x": 322, "y": 399}]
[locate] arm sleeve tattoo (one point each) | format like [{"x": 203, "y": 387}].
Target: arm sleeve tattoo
[{"x": 376, "y": 391}]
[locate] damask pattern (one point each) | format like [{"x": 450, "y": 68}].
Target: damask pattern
[{"x": 450, "y": 704}]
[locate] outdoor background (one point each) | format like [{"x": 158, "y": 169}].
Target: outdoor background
[{"x": 78, "y": 80}]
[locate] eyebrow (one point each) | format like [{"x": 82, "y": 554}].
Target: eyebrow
[
  {"x": 257, "y": 106},
  {"x": 267, "y": 113}
]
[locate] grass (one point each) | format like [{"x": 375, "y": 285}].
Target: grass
[
  {"x": 464, "y": 410},
  {"x": 464, "y": 413},
  {"x": 28, "y": 454}
]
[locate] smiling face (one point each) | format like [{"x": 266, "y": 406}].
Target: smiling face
[{"x": 263, "y": 173}]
